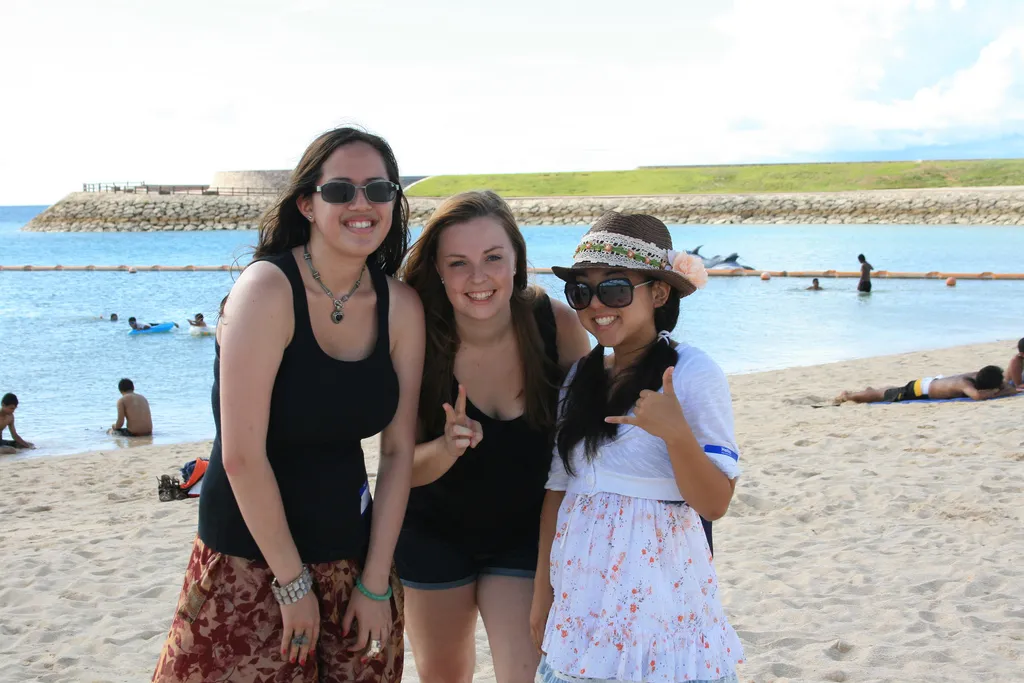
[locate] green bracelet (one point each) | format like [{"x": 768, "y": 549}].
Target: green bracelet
[{"x": 373, "y": 596}]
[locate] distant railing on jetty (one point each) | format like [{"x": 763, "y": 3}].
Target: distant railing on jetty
[
  {"x": 145, "y": 188},
  {"x": 717, "y": 272}
]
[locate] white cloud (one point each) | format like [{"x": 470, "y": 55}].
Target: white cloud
[
  {"x": 174, "y": 93},
  {"x": 957, "y": 5}
]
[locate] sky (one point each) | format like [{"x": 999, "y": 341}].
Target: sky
[{"x": 112, "y": 90}]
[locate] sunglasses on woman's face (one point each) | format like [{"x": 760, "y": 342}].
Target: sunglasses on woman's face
[
  {"x": 614, "y": 293},
  {"x": 343, "y": 192}
]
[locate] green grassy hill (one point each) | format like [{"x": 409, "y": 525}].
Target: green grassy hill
[{"x": 737, "y": 179}]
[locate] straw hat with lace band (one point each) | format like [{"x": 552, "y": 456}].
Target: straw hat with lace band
[{"x": 635, "y": 242}]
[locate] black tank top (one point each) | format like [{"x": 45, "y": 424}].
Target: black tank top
[
  {"x": 491, "y": 497},
  {"x": 320, "y": 408}
]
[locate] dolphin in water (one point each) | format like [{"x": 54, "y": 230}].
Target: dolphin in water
[{"x": 732, "y": 261}]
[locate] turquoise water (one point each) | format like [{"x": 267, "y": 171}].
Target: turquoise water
[{"x": 64, "y": 363}]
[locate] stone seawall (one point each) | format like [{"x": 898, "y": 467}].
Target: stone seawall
[{"x": 100, "y": 212}]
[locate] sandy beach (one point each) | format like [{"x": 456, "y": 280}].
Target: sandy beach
[{"x": 865, "y": 543}]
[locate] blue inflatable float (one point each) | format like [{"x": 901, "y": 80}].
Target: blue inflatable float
[{"x": 159, "y": 327}]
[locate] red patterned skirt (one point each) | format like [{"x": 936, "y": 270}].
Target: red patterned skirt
[{"x": 228, "y": 627}]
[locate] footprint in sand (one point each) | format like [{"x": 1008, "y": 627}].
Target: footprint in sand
[
  {"x": 786, "y": 670},
  {"x": 39, "y": 508},
  {"x": 754, "y": 501},
  {"x": 837, "y": 676},
  {"x": 839, "y": 650}
]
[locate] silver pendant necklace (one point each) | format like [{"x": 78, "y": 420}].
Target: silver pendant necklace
[{"x": 338, "y": 314}]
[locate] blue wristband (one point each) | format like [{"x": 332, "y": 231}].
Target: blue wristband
[{"x": 373, "y": 596}]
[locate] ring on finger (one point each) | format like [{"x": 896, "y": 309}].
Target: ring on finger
[{"x": 300, "y": 640}]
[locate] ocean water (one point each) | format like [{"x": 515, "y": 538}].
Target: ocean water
[{"x": 64, "y": 362}]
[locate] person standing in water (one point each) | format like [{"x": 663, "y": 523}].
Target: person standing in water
[{"x": 865, "y": 275}]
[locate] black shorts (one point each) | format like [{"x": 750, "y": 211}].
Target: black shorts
[
  {"x": 864, "y": 286},
  {"x": 910, "y": 392},
  {"x": 123, "y": 431},
  {"x": 429, "y": 562},
  {"x": 9, "y": 443}
]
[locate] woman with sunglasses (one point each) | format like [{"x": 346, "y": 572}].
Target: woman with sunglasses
[
  {"x": 319, "y": 347},
  {"x": 644, "y": 446},
  {"x": 497, "y": 349}
]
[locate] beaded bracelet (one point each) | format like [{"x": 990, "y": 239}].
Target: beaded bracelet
[{"x": 373, "y": 596}]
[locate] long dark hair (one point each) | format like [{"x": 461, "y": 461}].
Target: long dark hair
[
  {"x": 587, "y": 400},
  {"x": 540, "y": 385},
  {"x": 283, "y": 226}
]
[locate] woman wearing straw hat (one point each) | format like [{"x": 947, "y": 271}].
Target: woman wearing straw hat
[{"x": 644, "y": 448}]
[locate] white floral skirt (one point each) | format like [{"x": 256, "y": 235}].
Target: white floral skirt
[{"x": 636, "y": 595}]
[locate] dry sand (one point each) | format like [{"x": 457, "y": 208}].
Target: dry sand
[{"x": 865, "y": 543}]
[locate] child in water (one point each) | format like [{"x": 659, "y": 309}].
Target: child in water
[{"x": 644, "y": 448}]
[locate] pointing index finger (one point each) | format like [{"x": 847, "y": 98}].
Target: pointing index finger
[{"x": 460, "y": 402}]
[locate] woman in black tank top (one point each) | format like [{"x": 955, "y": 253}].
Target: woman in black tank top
[
  {"x": 291, "y": 575},
  {"x": 496, "y": 351}
]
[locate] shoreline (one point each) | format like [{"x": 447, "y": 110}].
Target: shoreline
[
  {"x": 88, "y": 449},
  {"x": 909, "y": 515},
  {"x": 121, "y": 212}
]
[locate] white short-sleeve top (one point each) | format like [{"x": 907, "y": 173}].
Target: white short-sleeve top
[{"x": 636, "y": 463}]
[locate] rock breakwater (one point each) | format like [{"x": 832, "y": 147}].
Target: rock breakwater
[{"x": 102, "y": 212}]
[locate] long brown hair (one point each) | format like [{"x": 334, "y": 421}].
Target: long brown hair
[
  {"x": 283, "y": 226},
  {"x": 541, "y": 374}
]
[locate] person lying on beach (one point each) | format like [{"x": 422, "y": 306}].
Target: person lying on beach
[
  {"x": 198, "y": 322},
  {"x": 814, "y": 286},
  {"x": 135, "y": 325},
  {"x": 1015, "y": 368},
  {"x": 8, "y": 404},
  {"x": 135, "y": 409},
  {"x": 984, "y": 384}
]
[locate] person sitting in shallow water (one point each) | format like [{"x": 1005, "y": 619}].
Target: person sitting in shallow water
[
  {"x": 133, "y": 408},
  {"x": 198, "y": 322},
  {"x": 814, "y": 286},
  {"x": 983, "y": 384},
  {"x": 8, "y": 404}
]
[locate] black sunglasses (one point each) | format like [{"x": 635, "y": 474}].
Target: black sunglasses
[
  {"x": 614, "y": 293},
  {"x": 343, "y": 192}
]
